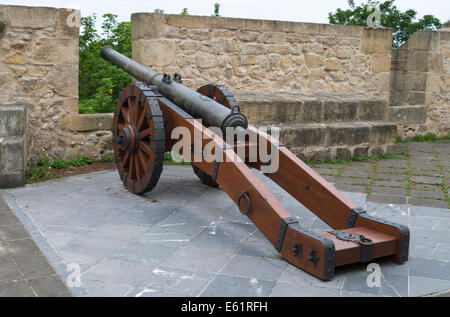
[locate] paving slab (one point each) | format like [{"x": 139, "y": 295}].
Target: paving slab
[{"x": 186, "y": 239}]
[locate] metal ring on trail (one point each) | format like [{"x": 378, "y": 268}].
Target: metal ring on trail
[{"x": 245, "y": 195}]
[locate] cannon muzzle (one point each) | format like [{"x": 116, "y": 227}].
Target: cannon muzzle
[{"x": 211, "y": 112}]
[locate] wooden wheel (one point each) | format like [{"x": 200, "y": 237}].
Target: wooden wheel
[
  {"x": 223, "y": 96},
  {"x": 138, "y": 138}
]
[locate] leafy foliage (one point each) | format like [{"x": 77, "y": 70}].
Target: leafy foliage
[
  {"x": 100, "y": 82},
  {"x": 45, "y": 168},
  {"x": 403, "y": 24},
  {"x": 185, "y": 11}
]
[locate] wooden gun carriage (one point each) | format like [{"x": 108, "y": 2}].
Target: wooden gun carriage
[{"x": 148, "y": 112}]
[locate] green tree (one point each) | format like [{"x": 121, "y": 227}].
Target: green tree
[
  {"x": 100, "y": 82},
  {"x": 403, "y": 24},
  {"x": 160, "y": 11},
  {"x": 185, "y": 11}
]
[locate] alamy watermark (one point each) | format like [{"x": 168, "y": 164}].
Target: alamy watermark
[
  {"x": 74, "y": 278},
  {"x": 74, "y": 18},
  {"x": 374, "y": 278},
  {"x": 250, "y": 146},
  {"x": 374, "y": 19}
]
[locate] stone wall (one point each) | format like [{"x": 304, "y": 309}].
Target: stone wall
[
  {"x": 420, "y": 84},
  {"x": 39, "y": 67},
  {"x": 265, "y": 56}
]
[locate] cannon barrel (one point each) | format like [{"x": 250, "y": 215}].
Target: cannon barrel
[{"x": 211, "y": 112}]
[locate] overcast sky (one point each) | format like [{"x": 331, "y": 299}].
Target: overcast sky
[{"x": 287, "y": 10}]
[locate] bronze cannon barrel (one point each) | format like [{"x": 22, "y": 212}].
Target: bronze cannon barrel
[{"x": 211, "y": 112}]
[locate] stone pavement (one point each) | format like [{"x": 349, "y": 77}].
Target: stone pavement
[
  {"x": 187, "y": 239},
  {"x": 24, "y": 270},
  {"x": 420, "y": 178}
]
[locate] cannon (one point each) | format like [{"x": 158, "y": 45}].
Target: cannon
[{"x": 148, "y": 115}]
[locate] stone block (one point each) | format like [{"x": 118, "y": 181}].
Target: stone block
[
  {"x": 272, "y": 38},
  {"x": 200, "y": 35},
  {"x": 154, "y": 52},
  {"x": 361, "y": 151},
  {"x": 435, "y": 63},
  {"x": 312, "y": 111},
  {"x": 348, "y": 30},
  {"x": 71, "y": 105},
  {"x": 206, "y": 61},
  {"x": 56, "y": 51},
  {"x": 347, "y": 133},
  {"x": 343, "y": 52},
  {"x": 183, "y": 21},
  {"x": 408, "y": 114},
  {"x": 418, "y": 98},
  {"x": 332, "y": 64},
  {"x": 91, "y": 122},
  {"x": 15, "y": 58},
  {"x": 382, "y": 132},
  {"x": 278, "y": 49},
  {"x": 254, "y": 49},
  {"x": 12, "y": 153},
  {"x": 313, "y": 60},
  {"x": 11, "y": 180},
  {"x": 433, "y": 82},
  {"x": 376, "y": 150},
  {"x": 424, "y": 40},
  {"x": 376, "y": 41},
  {"x": 339, "y": 110},
  {"x": 146, "y": 26},
  {"x": 297, "y": 38},
  {"x": 13, "y": 120},
  {"x": 371, "y": 109},
  {"x": 418, "y": 61},
  {"x": 381, "y": 63},
  {"x": 416, "y": 82},
  {"x": 64, "y": 79},
  {"x": 318, "y": 29},
  {"x": 302, "y": 135},
  {"x": 31, "y": 17},
  {"x": 248, "y": 36}
]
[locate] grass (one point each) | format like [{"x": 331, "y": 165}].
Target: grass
[
  {"x": 44, "y": 169},
  {"x": 2, "y": 28},
  {"x": 108, "y": 159},
  {"x": 429, "y": 137},
  {"x": 340, "y": 161},
  {"x": 169, "y": 159},
  {"x": 408, "y": 174}
]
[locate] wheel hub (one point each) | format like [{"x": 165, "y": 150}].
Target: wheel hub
[{"x": 128, "y": 139}]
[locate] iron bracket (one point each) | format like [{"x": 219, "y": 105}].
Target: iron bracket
[
  {"x": 365, "y": 243},
  {"x": 352, "y": 218},
  {"x": 284, "y": 224}
]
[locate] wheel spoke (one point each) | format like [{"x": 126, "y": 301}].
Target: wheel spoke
[
  {"x": 125, "y": 115},
  {"x": 136, "y": 110},
  {"x": 146, "y": 149},
  {"x": 145, "y": 133},
  {"x": 131, "y": 169},
  {"x": 137, "y": 167},
  {"x": 142, "y": 160},
  {"x": 124, "y": 161},
  {"x": 130, "y": 110},
  {"x": 141, "y": 120}
]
